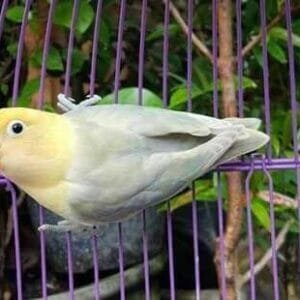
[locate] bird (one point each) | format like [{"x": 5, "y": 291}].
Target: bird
[{"x": 96, "y": 164}]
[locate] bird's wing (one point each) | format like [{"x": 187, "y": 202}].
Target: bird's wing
[
  {"x": 160, "y": 130},
  {"x": 146, "y": 121},
  {"x": 110, "y": 185},
  {"x": 129, "y": 157}
]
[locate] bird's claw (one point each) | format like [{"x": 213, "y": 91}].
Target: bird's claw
[
  {"x": 66, "y": 103},
  {"x": 52, "y": 228},
  {"x": 61, "y": 226},
  {"x": 66, "y": 226},
  {"x": 91, "y": 100}
]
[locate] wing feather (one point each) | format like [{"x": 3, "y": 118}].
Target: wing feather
[{"x": 146, "y": 121}]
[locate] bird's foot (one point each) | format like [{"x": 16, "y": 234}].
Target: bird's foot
[
  {"x": 67, "y": 103},
  {"x": 61, "y": 226},
  {"x": 67, "y": 226}
]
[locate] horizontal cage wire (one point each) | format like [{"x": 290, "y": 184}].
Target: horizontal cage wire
[{"x": 234, "y": 232}]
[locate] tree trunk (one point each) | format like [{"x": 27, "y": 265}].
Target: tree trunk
[{"x": 234, "y": 180}]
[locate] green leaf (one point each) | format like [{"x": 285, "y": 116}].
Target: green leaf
[
  {"x": 104, "y": 59},
  {"x": 280, "y": 4},
  {"x": 250, "y": 15},
  {"x": 177, "y": 78},
  {"x": 286, "y": 130},
  {"x": 210, "y": 194},
  {"x": 281, "y": 34},
  {"x": 48, "y": 107},
  {"x": 202, "y": 73},
  {"x": 30, "y": 88},
  {"x": 247, "y": 83},
  {"x": 180, "y": 96},
  {"x": 296, "y": 26},
  {"x": 63, "y": 15},
  {"x": 257, "y": 181},
  {"x": 261, "y": 212},
  {"x": 294, "y": 228},
  {"x": 78, "y": 60},
  {"x": 105, "y": 33},
  {"x": 12, "y": 48},
  {"x": 258, "y": 56},
  {"x": 130, "y": 96},
  {"x": 204, "y": 191},
  {"x": 276, "y": 51},
  {"x": 85, "y": 18},
  {"x": 271, "y": 8},
  {"x": 275, "y": 144},
  {"x": 285, "y": 182},
  {"x": 158, "y": 32},
  {"x": 54, "y": 60},
  {"x": 4, "y": 88},
  {"x": 15, "y": 13}
]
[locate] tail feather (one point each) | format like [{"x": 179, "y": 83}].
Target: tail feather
[
  {"x": 251, "y": 123},
  {"x": 255, "y": 140}
]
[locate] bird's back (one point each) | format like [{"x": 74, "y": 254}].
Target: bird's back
[{"x": 131, "y": 157}]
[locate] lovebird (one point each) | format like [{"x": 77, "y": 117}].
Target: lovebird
[{"x": 105, "y": 163}]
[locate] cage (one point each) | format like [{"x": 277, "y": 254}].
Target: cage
[{"x": 235, "y": 233}]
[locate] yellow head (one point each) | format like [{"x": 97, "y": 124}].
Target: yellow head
[{"x": 35, "y": 146}]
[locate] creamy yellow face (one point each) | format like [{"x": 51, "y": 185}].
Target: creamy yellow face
[{"x": 35, "y": 146}]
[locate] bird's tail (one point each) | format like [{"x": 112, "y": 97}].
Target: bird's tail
[
  {"x": 251, "y": 123},
  {"x": 251, "y": 139}
]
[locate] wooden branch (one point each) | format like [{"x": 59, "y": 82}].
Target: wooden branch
[
  {"x": 257, "y": 38},
  {"x": 34, "y": 39},
  {"x": 200, "y": 46},
  {"x": 110, "y": 285},
  {"x": 234, "y": 180},
  {"x": 206, "y": 294},
  {"x": 280, "y": 239},
  {"x": 226, "y": 58},
  {"x": 278, "y": 199}
]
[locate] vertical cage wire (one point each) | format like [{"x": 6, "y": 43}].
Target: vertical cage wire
[
  {"x": 263, "y": 25},
  {"x": 190, "y": 108},
  {"x": 20, "y": 53},
  {"x": 12, "y": 191},
  {"x": 2, "y": 16},
  {"x": 269, "y": 148},
  {"x": 250, "y": 232},
  {"x": 68, "y": 234},
  {"x": 240, "y": 100},
  {"x": 294, "y": 110},
  {"x": 9, "y": 186},
  {"x": 165, "y": 103},
  {"x": 119, "y": 49},
  {"x": 215, "y": 52},
  {"x": 143, "y": 27},
  {"x": 94, "y": 239},
  {"x": 40, "y": 106},
  {"x": 116, "y": 100}
]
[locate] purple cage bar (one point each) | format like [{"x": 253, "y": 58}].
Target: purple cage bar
[{"x": 249, "y": 166}]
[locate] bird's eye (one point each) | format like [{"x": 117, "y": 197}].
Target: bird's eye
[{"x": 15, "y": 128}]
